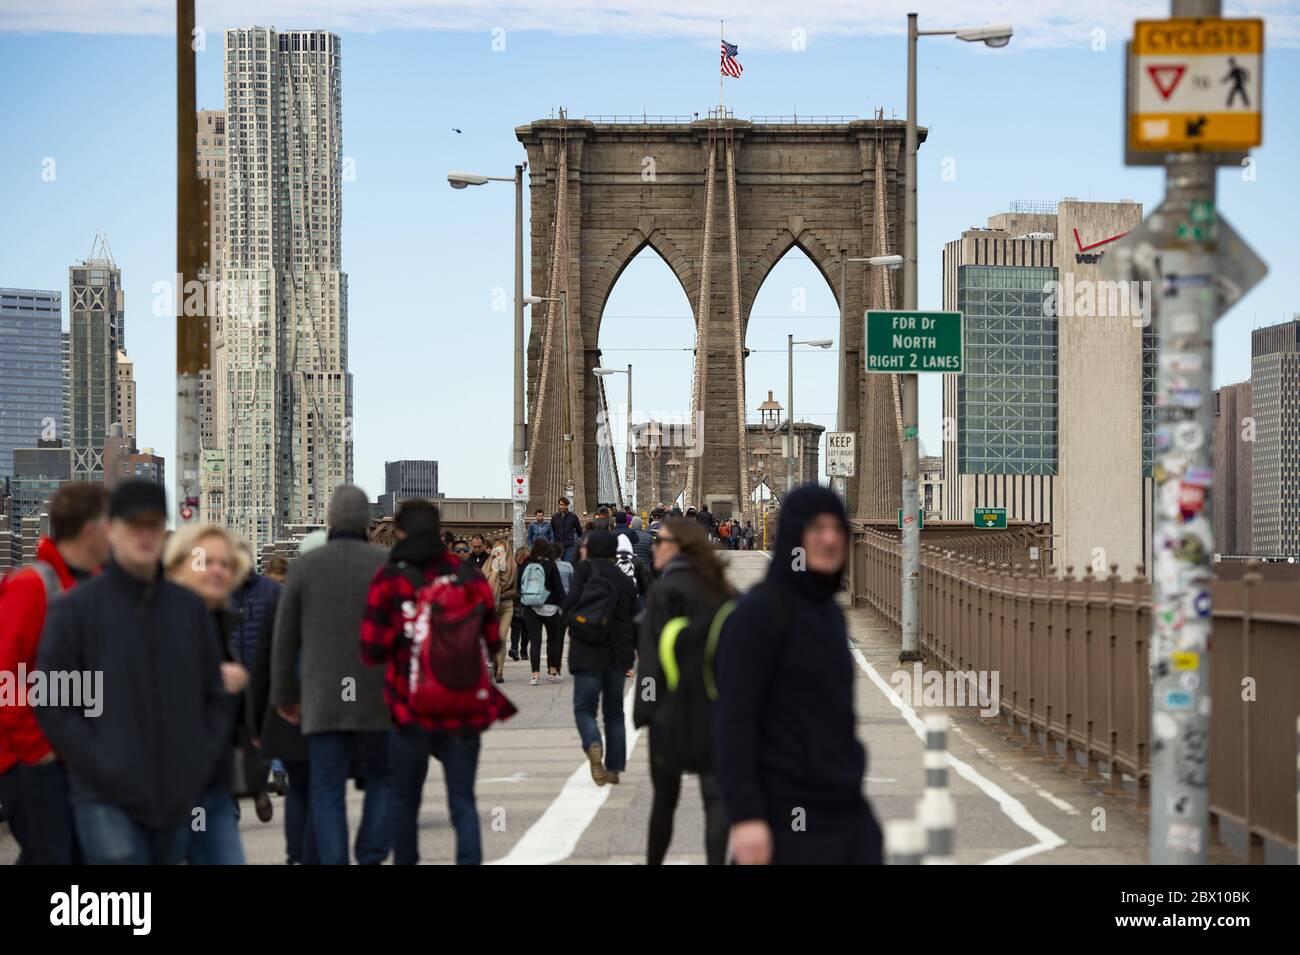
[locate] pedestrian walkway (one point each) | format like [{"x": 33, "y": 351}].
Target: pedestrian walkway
[{"x": 538, "y": 804}]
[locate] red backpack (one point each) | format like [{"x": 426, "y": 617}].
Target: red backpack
[{"x": 449, "y": 675}]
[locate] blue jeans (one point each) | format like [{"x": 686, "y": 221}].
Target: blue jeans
[
  {"x": 329, "y": 755},
  {"x": 588, "y": 688},
  {"x": 217, "y": 843},
  {"x": 108, "y": 836},
  {"x": 570, "y": 551},
  {"x": 458, "y": 752},
  {"x": 299, "y": 840},
  {"x": 39, "y": 808}
]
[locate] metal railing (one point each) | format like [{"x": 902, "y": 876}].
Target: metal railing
[
  {"x": 1072, "y": 659},
  {"x": 797, "y": 119},
  {"x": 643, "y": 119}
]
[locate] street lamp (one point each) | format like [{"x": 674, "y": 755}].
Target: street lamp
[
  {"x": 842, "y": 404},
  {"x": 789, "y": 451},
  {"x": 627, "y": 464},
  {"x": 460, "y": 180},
  {"x": 994, "y": 36}
]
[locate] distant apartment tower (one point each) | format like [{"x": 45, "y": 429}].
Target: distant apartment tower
[
  {"x": 283, "y": 380},
  {"x": 38, "y": 472},
  {"x": 98, "y": 332},
  {"x": 1053, "y": 417},
  {"x": 409, "y": 479},
  {"x": 126, "y": 395},
  {"x": 144, "y": 465},
  {"x": 1234, "y": 432},
  {"x": 210, "y": 150},
  {"x": 1275, "y": 461},
  {"x": 31, "y": 381},
  {"x": 65, "y": 425}
]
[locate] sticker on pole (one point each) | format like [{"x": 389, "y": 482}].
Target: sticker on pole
[
  {"x": 1195, "y": 85},
  {"x": 840, "y": 446},
  {"x": 519, "y": 486}
]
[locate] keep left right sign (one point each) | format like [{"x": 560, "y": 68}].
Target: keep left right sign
[{"x": 1195, "y": 85}]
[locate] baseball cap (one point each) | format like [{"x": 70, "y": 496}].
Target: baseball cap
[{"x": 132, "y": 498}]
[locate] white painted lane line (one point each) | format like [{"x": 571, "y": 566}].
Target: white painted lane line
[
  {"x": 1012, "y": 808},
  {"x": 554, "y": 836},
  {"x": 992, "y": 757}
]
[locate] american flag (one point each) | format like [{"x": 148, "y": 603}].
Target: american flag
[{"x": 730, "y": 67}]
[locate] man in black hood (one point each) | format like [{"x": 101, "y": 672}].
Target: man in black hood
[{"x": 789, "y": 761}]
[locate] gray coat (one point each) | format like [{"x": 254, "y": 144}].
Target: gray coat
[{"x": 320, "y": 613}]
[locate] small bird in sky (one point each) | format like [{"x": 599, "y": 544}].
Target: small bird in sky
[{"x": 455, "y": 130}]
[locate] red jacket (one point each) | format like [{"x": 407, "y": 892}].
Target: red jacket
[
  {"x": 384, "y": 640},
  {"x": 23, "y": 599}
]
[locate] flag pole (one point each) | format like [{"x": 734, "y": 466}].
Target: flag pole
[{"x": 723, "y": 37}]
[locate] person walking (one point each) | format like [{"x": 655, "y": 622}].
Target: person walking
[
  {"x": 681, "y": 623},
  {"x": 319, "y": 682},
  {"x": 565, "y": 531},
  {"x": 33, "y": 780},
  {"x": 540, "y": 527},
  {"x": 598, "y": 613},
  {"x": 518, "y": 635},
  {"x": 478, "y": 551},
  {"x": 787, "y": 754},
  {"x": 634, "y": 570},
  {"x": 141, "y": 756},
  {"x": 425, "y": 597},
  {"x": 541, "y": 594},
  {"x": 205, "y": 559},
  {"x": 500, "y": 572},
  {"x": 252, "y": 610},
  {"x": 643, "y": 548}
]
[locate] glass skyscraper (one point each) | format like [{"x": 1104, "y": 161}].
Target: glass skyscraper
[{"x": 31, "y": 371}]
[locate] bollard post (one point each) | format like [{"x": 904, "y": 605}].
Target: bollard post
[
  {"x": 935, "y": 811},
  {"x": 904, "y": 842}
]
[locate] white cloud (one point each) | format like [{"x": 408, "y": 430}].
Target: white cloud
[{"x": 765, "y": 24}]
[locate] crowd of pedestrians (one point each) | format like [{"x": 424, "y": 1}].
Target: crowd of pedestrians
[{"x": 363, "y": 663}]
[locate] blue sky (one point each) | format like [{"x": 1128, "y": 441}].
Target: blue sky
[{"x": 430, "y": 356}]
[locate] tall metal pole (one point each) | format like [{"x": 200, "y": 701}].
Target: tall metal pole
[
  {"x": 628, "y": 464},
  {"x": 191, "y": 265},
  {"x": 911, "y": 532},
  {"x": 841, "y": 408},
  {"x": 520, "y": 439},
  {"x": 789, "y": 420},
  {"x": 1180, "y": 710}
]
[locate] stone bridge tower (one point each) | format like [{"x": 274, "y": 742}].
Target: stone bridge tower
[{"x": 721, "y": 202}]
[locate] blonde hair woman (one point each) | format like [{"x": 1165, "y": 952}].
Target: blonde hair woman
[
  {"x": 208, "y": 560},
  {"x": 502, "y": 577}
]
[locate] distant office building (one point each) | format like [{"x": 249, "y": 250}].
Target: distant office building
[
  {"x": 1275, "y": 461},
  {"x": 210, "y": 153},
  {"x": 31, "y": 386},
  {"x": 65, "y": 425},
  {"x": 407, "y": 479},
  {"x": 932, "y": 486},
  {"x": 38, "y": 473},
  {"x": 281, "y": 380},
  {"x": 1233, "y": 447},
  {"x": 126, "y": 395},
  {"x": 118, "y": 449},
  {"x": 147, "y": 466},
  {"x": 1058, "y": 366},
  {"x": 98, "y": 329}
]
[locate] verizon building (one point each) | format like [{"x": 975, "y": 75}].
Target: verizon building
[
  {"x": 1053, "y": 417},
  {"x": 281, "y": 385}
]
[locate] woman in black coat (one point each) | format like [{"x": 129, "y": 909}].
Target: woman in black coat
[
  {"x": 785, "y": 740},
  {"x": 547, "y": 616},
  {"x": 692, "y": 584},
  {"x": 601, "y": 665}
]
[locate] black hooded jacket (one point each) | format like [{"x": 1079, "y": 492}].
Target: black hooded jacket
[
  {"x": 784, "y": 729},
  {"x": 618, "y": 652}
]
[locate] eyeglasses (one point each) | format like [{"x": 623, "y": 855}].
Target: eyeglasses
[
  {"x": 461, "y": 550},
  {"x": 663, "y": 539}
]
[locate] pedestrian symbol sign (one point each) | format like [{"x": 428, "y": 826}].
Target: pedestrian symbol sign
[
  {"x": 1195, "y": 85},
  {"x": 993, "y": 518}
]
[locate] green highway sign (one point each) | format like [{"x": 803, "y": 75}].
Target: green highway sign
[
  {"x": 991, "y": 517},
  {"x": 903, "y": 342},
  {"x": 920, "y": 518}
]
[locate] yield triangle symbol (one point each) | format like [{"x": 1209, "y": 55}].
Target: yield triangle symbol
[{"x": 1166, "y": 78}]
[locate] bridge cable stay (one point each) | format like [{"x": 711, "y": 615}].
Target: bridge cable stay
[
  {"x": 701, "y": 333},
  {"x": 609, "y": 487},
  {"x": 549, "y": 424},
  {"x": 738, "y": 331}
]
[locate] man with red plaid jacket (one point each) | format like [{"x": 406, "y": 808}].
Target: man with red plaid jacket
[{"x": 453, "y": 741}]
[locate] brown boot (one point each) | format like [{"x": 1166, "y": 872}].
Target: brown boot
[
  {"x": 611, "y": 778},
  {"x": 596, "y": 758}
]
